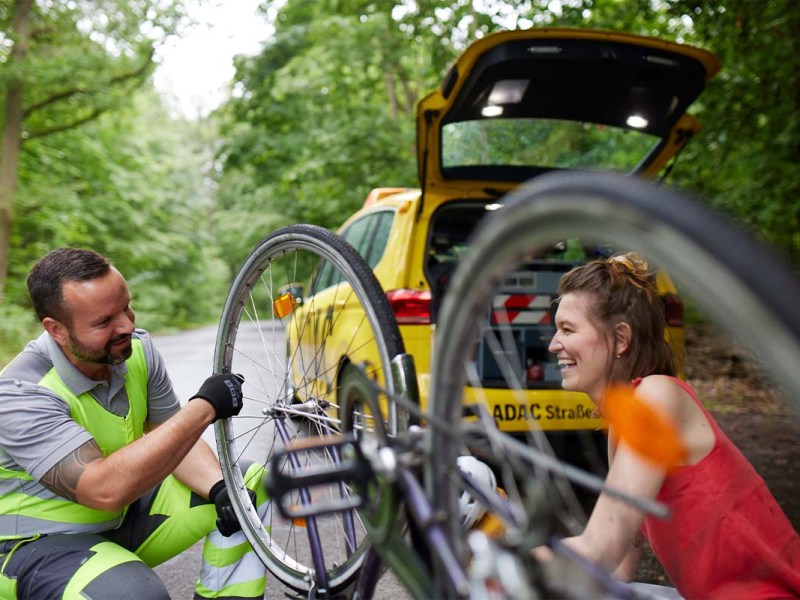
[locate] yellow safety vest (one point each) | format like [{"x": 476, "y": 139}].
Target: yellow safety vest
[{"x": 38, "y": 511}]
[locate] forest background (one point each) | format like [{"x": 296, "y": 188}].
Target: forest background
[{"x": 91, "y": 156}]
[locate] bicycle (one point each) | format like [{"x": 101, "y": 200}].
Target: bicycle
[
  {"x": 385, "y": 461},
  {"x": 287, "y": 388}
]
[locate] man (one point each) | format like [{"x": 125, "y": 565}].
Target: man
[{"x": 102, "y": 474}]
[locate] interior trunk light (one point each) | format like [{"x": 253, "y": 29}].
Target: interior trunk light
[
  {"x": 508, "y": 91},
  {"x": 411, "y": 307},
  {"x": 637, "y": 121}
]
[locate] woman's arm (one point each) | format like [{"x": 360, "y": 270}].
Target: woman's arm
[
  {"x": 612, "y": 536},
  {"x": 630, "y": 563},
  {"x": 613, "y": 528}
]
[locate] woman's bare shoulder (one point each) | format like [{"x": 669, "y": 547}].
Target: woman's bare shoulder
[{"x": 663, "y": 392}]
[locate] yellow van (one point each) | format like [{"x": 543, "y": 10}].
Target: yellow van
[{"x": 517, "y": 104}]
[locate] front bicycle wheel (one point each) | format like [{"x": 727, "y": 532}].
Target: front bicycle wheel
[
  {"x": 311, "y": 330},
  {"x": 739, "y": 283}
]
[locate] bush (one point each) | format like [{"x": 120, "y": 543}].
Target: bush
[{"x": 18, "y": 325}]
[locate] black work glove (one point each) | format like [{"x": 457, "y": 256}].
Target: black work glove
[
  {"x": 224, "y": 392},
  {"x": 227, "y": 523}
]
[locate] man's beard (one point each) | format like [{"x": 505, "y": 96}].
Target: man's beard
[{"x": 100, "y": 357}]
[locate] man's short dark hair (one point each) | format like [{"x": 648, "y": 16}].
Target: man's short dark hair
[{"x": 47, "y": 277}]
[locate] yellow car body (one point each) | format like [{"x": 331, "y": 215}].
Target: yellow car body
[{"x": 412, "y": 237}]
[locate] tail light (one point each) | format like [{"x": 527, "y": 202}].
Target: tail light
[
  {"x": 673, "y": 310},
  {"x": 411, "y": 307}
]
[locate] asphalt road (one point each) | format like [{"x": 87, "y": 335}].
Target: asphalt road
[{"x": 189, "y": 358}]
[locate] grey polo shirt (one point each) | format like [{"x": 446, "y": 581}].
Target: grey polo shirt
[{"x": 36, "y": 429}]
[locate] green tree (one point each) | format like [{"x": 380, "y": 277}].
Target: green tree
[
  {"x": 745, "y": 158},
  {"x": 328, "y": 113},
  {"x": 135, "y": 186},
  {"x": 63, "y": 65},
  {"x": 325, "y": 112}
]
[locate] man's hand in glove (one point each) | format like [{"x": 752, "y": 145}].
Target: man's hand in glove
[
  {"x": 227, "y": 523},
  {"x": 224, "y": 392}
]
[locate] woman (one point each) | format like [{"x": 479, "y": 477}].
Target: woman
[{"x": 727, "y": 537}]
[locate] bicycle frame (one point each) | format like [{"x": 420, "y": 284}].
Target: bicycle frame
[
  {"x": 315, "y": 542},
  {"x": 393, "y": 548},
  {"x": 394, "y": 468}
]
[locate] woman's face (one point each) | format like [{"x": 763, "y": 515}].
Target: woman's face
[{"x": 584, "y": 352}]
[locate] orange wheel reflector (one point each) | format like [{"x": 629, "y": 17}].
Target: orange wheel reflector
[
  {"x": 283, "y": 305},
  {"x": 298, "y": 521},
  {"x": 649, "y": 432}
]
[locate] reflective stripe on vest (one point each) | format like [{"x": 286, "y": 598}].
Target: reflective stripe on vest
[{"x": 33, "y": 509}]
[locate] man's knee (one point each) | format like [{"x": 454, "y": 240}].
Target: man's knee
[
  {"x": 126, "y": 581},
  {"x": 42, "y": 568},
  {"x": 86, "y": 566}
]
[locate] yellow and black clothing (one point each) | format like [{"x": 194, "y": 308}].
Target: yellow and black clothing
[{"x": 51, "y": 547}]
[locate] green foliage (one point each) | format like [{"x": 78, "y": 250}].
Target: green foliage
[
  {"x": 745, "y": 158},
  {"x": 135, "y": 188},
  {"x": 18, "y": 326},
  {"x": 324, "y": 113},
  {"x": 326, "y": 110},
  {"x": 84, "y": 57},
  {"x": 101, "y": 164},
  {"x": 328, "y": 113}
]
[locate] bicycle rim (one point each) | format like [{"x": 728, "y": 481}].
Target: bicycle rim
[
  {"x": 291, "y": 349},
  {"x": 741, "y": 285}
]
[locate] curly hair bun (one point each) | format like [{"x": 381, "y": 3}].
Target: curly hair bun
[
  {"x": 633, "y": 261},
  {"x": 630, "y": 267}
]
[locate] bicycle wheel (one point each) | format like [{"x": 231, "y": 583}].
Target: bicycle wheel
[
  {"x": 742, "y": 285},
  {"x": 313, "y": 356}
]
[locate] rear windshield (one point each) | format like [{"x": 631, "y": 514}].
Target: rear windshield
[{"x": 543, "y": 143}]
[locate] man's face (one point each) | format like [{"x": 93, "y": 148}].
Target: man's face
[{"x": 100, "y": 322}]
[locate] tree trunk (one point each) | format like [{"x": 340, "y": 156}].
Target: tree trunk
[
  {"x": 12, "y": 135},
  {"x": 391, "y": 92}
]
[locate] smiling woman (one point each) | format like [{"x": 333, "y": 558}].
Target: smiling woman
[
  {"x": 610, "y": 332},
  {"x": 597, "y": 327},
  {"x": 583, "y": 352}
]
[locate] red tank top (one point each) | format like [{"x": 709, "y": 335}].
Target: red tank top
[{"x": 727, "y": 537}]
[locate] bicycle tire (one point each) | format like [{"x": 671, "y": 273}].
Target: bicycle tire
[
  {"x": 745, "y": 287},
  {"x": 292, "y": 361}
]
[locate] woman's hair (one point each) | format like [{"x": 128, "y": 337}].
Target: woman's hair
[
  {"x": 623, "y": 289},
  {"x": 48, "y": 276}
]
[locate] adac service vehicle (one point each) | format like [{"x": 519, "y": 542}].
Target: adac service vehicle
[{"x": 515, "y": 105}]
